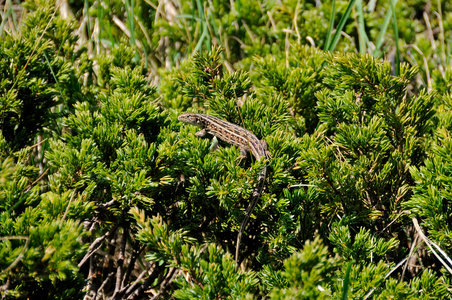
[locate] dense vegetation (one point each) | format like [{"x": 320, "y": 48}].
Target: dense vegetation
[{"x": 104, "y": 194}]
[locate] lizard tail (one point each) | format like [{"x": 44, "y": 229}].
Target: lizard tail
[{"x": 256, "y": 195}]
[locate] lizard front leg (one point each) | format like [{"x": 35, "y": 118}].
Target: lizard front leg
[{"x": 201, "y": 133}]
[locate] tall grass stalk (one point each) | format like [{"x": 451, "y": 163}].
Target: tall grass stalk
[
  {"x": 208, "y": 30},
  {"x": 9, "y": 12},
  {"x": 86, "y": 15},
  {"x": 330, "y": 26},
  {"x": 100, "y": 17},
  {"x": 427, "y": 71},
  {"x": 381, "y": 35},
  {"x": 130, "y": 21},
  {"x": 340, "y": 26},
  {"x": 441, "y": 31},
  {"x": 396, "y": 38},
  {"x": 346, "y": 284},
  {"x": 362, "y": 35}
]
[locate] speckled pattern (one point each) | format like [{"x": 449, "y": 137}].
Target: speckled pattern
[
  {"x": 228, "y": 132},
  {"x": 242, "y": 138}
]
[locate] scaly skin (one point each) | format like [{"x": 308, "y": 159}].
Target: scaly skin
[{"x": 242, "y": 138}]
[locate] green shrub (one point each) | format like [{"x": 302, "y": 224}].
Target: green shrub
[{"x": 105, "y": 194}]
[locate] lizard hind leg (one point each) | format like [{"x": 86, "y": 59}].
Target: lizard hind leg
[
  {"x": 265, "y": 145},
  {"x": 242, "y": 157}
]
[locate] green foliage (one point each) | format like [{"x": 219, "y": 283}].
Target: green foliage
[
  {"x": 372, "y": 133},
  {"x": 34, "y": 79},
  {"x": 309, "y": 273},
  {"x": 217, "y": 277},
  {"x": 431, "y": 199},
  {"x": 363, "y": 247},
  {"x": 41, "y": 235},
  {"x": 107, "y": 144},
  {"x": 210, "y": 269},
  {"x": 296, "y": 81},
  {"x": 314, "y": 274},
  {"x": 104, "y": 194}
]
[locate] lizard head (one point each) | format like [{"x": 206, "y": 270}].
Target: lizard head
[{"x": 191, "y": 118}]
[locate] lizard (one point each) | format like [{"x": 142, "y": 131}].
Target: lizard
[{"x": 246, "y": 141}]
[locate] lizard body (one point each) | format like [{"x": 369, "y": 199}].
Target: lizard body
[{"x": 240, "y": 137}]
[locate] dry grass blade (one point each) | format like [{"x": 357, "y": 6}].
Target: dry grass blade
[{"x": 430, "y": 243}]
